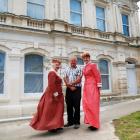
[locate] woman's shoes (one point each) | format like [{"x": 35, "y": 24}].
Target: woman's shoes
[
  {"x": 59, "y": 129},
  {"x": 52, "y": 130},
  {"x": 93, "y": 128},
  {"x": 55, "y": 130}
]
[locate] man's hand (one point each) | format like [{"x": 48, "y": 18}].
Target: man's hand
[
  {"x": 68, "y": 84},
  {"x": 72, "y": 88}
]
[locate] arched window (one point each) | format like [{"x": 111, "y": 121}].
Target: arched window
[
  {"x": 80, "y": 61},
  {"x": 105, "y": 74},
  {"x": 33, "y": 74},
  {"x": 2, "y": 68},
  {"x": 36, "y": 9}
]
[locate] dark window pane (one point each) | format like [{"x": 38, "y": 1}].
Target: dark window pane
[
  {"x": 1, "y": 83},
  {"x": 75, "y": 5},
  {"x": 33, "y": 63},
  {"x": 126, "y": 30},
  {"x": 105, "y": 82},
  {"x": 103, "y": 66},
  {"x": 80, "y": 61},
  {"x": 76, "y": 19},
  {"x": 36, "y": 11},
  {"x": 33, "y": 83},
  {"x": 125, "y": 19},
  {"x": 2, "y": 61},
  {"x": 100, "y": 13},
  {"x": 101, "y": 24}
]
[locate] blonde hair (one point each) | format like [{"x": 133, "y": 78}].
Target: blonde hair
[
  {"x": 56, "y": 60},
  {"x": 85, "y": 54}
]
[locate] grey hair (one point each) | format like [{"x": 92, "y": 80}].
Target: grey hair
[{"x": 73, "y": 58}]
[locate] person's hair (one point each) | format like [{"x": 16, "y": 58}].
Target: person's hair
[
  {"x": 73, "y": 58},
  {"x": 85, "y": 54},
  {"x": 56, "y": 60}
]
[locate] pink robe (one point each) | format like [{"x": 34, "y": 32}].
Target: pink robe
[
  {"x": 50, "y": 109},
  {"x": 91, "y": 95}
]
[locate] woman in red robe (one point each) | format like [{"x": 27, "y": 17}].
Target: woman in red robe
[
  {"x": 91, "y": 93},
  {"x": 50, "y": 109}
]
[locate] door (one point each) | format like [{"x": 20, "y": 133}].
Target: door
[{"x": 131, "y": 79}]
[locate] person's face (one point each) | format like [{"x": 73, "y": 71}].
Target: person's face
[
  {"x": 57, "y": 66},
  {"x": 86, "y": 59},
  {"x": 73, "y": 62}
]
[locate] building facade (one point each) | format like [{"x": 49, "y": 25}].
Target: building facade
[{"x": 32, "y": 32}]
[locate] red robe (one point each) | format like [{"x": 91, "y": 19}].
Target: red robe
[
  {"x": 50, "y": 109},
  {"x": 91, "y": 95}
]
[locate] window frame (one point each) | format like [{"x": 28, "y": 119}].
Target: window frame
[
  {"x": 128, "y": 26},
  {"x": 104, "y": 20},
  {"x": 109, "y": 76},
  {"x": 36, "y": 4},
  {"x": 78, "y": 13},
  {"x": 36, "y": 93},
  {"x": 4, "y": 72}
]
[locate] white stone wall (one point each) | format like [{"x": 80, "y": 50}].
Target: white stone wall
[{"x": 59, "y": 39}]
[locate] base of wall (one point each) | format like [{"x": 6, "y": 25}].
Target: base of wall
[
  {"x": 13, "y": 111},
  {"x": 26, "y": 110}
]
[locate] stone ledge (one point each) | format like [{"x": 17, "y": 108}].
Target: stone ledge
[{"x": 118, "y": 98}]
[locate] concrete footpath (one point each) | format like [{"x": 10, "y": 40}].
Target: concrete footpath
[{"x": 20, "y": 130}]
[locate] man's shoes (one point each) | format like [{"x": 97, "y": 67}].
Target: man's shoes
[
  {"x": 68, "y": 125},
  {"x": 76, "y": 126},
  {"x": 93, "y": 128},
  {"x": 52, "y": 130}
]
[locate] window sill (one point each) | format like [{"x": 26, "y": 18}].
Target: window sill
[
  {"x": 4, "y": 99},
  {"x": 31, "y": 97}
]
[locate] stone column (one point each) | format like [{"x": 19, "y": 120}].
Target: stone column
[
  {"x": 133, "y": 24},
  {"x": 111, "y": 18},
  {"x": 118, "y": 20},
  {"x": 138, "y": 76},
  {"x": 59, "y": 47},
  {"x": 115, "y": 79},
  {"x": 122, "y": 77},
  {"x": 89, "y": 13},
  {"x": 14, "y": 78},
  {"x": 19, "y": 7},
  {"x": 14, "y": 86}
]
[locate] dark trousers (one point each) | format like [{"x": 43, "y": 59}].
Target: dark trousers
[{"x": 73, "y": 99}]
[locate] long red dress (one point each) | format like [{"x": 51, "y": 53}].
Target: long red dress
[
  {"x": 91, "y": 95},
  {"x": 50, "y": 109}
]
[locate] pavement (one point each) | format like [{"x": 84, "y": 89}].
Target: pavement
[{"x": 20, "y": 130}]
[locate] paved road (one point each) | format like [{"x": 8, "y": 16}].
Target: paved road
[{"x": 20, "y": 130}]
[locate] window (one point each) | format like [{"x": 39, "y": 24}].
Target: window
[
  {"x": 2, "y": 66},
  {"x": 76, "y": 12},
  {"x": 80, "y": 61},
  {"x": 36, "y": 9},
  {"x": 125, "y": 25},
  {"x": 33, "y": 74},
  {"x": 100, "y": 18},
  {"x": 3, "y": 6},
  {"x": 105, "y": 74}
]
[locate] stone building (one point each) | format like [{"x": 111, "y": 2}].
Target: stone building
[{"x": 32, "y": 32}]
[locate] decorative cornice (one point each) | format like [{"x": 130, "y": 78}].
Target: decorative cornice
[{"x": 60, "y": 27}]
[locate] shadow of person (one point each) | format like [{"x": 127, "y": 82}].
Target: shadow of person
[{"x": 47, "y": 134}]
